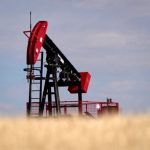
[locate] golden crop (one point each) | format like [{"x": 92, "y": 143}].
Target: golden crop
[{"x": 75, "y": 133}]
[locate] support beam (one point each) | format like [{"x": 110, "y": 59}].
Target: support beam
[{"x": 80, "y": 98}]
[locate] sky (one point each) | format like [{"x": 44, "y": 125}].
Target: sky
[{"x": 108, "y": 38}]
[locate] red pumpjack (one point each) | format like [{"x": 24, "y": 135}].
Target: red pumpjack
[{"x": 44, "y": 99}]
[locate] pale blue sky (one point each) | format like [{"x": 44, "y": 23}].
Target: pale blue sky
[{"x": 108, "y": 38}]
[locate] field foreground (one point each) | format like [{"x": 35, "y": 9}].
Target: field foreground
[{"x": 107, "y": 133}]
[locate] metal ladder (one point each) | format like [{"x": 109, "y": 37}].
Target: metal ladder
[{"x": 35, "y": 77}]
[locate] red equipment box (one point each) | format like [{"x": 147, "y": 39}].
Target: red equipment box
[
  {"x": 85, "y": 80},
  {"x": 109, "y": 108}
]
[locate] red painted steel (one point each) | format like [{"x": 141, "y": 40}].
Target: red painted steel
[
  {"x": 85, "y": 80},
  {"x": 35, "y": 41}
]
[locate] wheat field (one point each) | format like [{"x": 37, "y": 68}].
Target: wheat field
[{"x": 76, "y": 133}]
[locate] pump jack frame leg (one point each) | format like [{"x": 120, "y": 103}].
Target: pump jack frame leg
[
  {"x": 30, "y": 87},
  {"x": 57, "y": 98},
  {"x": 41, "y": 107},
  {"x": 49, "y": 101}
]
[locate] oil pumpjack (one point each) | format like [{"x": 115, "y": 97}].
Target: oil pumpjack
[{"x": 59, "y": 73}]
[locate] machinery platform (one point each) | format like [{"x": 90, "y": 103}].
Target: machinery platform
[{"x": 68, "y": 108}]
